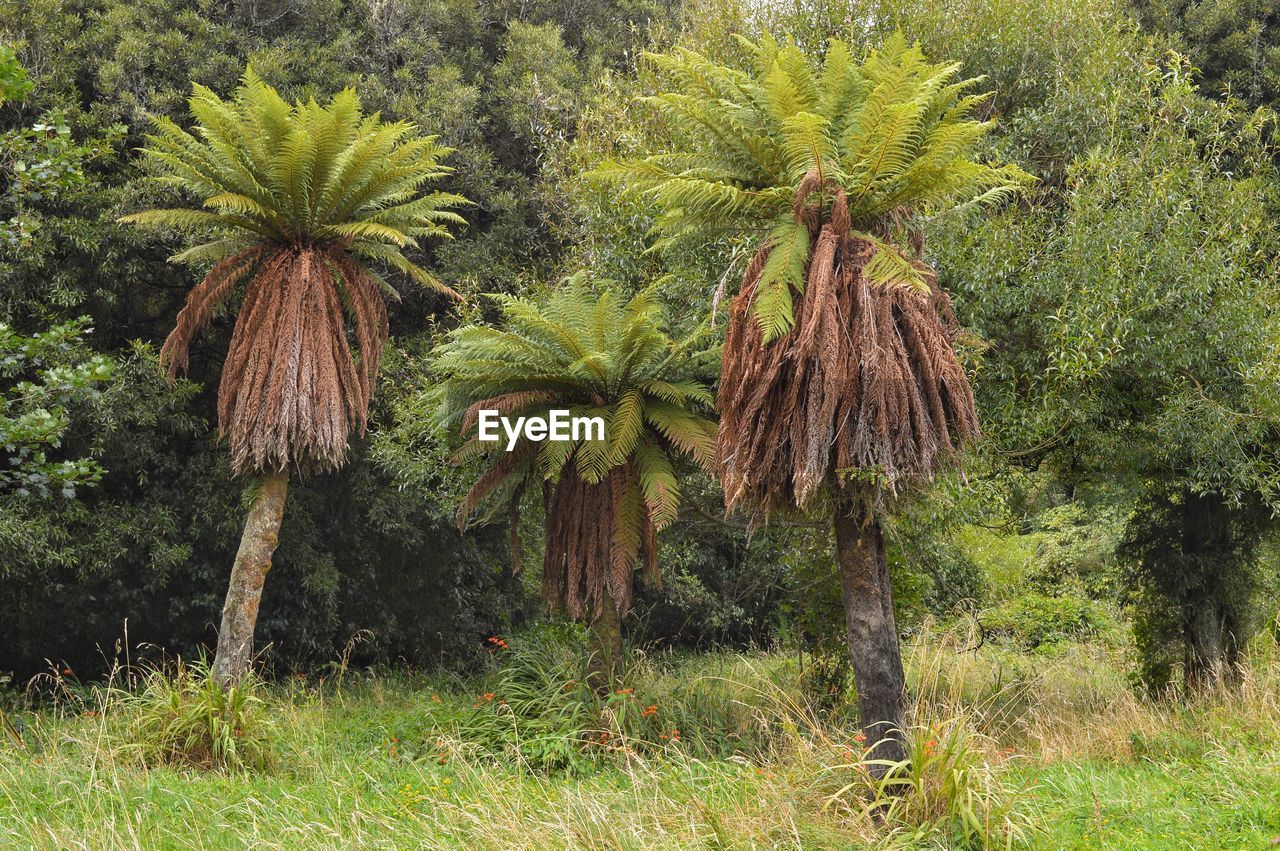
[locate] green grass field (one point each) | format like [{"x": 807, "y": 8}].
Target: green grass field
[{"x": 1052, "y": 751}]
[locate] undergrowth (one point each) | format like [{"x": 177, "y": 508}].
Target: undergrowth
[{"x": 1055, "y": 750}]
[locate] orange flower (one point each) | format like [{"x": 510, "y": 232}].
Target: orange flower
[
  {"x": 860, "y": 738},
  {"x": 647, "y": 711},
  {"x": 625, "y": 690},
  {"x": 488, "y": 696},
  {"x": 675, "y": 735},
  {"x": 435, "y": 698}
]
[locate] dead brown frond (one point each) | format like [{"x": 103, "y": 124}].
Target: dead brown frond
[
  {"x": 202, "y": 302},
  {"x": 292, "y": 390},
  {"x": 867, "y": 381},
  {"x": 593, "y": 543}
]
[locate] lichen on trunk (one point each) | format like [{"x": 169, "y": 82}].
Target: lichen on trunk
[{"x": 248, "y": 575}]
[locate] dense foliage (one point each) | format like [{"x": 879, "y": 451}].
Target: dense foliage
[
  {"x": 1119, "y": 322},
  {"x": 151, "y": 543}
]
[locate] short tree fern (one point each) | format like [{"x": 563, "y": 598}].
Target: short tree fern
[{"x": 606, "y": 499}]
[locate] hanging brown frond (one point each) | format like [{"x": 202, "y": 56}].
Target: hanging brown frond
[
  {"x": 504, "y": 405},
  {"x": 864, "y": 392},
  {"x": 202, "y": 302},
  {"x": 494, "y": 478},
  {"x": 593, "y": 544},
  {"x": 291, "y": 392}
]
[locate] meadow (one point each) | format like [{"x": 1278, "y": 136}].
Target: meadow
[{"x": 1051, "y": 750}]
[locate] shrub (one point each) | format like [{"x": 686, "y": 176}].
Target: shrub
[
  {"x": 538, "y": 708},
  {"x": 1036, "y": 619},
  {"x": 184, "y": 717}
]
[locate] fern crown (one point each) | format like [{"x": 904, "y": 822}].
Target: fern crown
[
  {"x": 304, "y": 174},
  {"x": 598, "y": 357},
  {"x": 894, "y": 132}
]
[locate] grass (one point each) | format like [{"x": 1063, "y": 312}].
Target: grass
[{"x": 1059, "y": 754}]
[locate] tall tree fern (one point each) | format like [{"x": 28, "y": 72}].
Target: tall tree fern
[
  {"x": 299, "y": 207},
  {"x": 608, "y": 496},
  {"x": 840, "y": 383},
  {"x": 893, "y": 132}
]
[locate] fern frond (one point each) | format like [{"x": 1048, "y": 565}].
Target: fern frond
[
  {"x": 892, "y": 130},
  {"x": 303, "y": 174}
]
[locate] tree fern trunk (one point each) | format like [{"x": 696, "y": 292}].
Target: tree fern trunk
[
  {"x": 606, "y": 649},
  {"x": 244, "y": 593},
  {"x": 873, "y": 632}
]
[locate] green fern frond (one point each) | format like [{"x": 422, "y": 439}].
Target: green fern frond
[
  {"x": 782, "y": 273},
  {"x": 593, "y": 355},
  {"x": 307, "y": 173},
  {"x": 891, "y": 129}
]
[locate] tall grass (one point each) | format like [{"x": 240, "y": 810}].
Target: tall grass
[
  {"x": 181, "y": 716},
  {"x": 396, "y": 759}
]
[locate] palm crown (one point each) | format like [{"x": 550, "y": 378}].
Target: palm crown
[
  {"x": 596, "y": 357},
  {"x": 299, "y": 204},
  {"x": 894, "y": 133}
]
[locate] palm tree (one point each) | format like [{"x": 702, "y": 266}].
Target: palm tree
[
  {"x": 298, "y": 206},
  {"x": 606, "y": 495},
  {"x": 840, "y": 383}
]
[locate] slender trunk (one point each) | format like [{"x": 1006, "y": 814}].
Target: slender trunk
[
  {"x": 873, "y": 633},
  {"x": 244, "y": 593},
  {"x": 606, "y": 649}
]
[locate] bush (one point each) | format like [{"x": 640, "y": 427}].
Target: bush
[
  {"x": 1035, "y": 619},
  {"x": 185, "y": 718},
  {"x": 538, "y": 708}
]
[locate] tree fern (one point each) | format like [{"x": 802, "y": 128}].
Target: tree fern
[
  {"x": 593, "y": 356},
  {"x": 298, "y": 203},
  {"x": 894, "y": 131}
]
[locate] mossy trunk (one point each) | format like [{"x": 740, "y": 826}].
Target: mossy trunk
[
  {"x": 248, "y": 574},
  {"x": 873, "y": 633},
  {"x": 606, "y": 649}
]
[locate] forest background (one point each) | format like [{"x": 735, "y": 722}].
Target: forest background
[{"x": 1121, "y": 329}]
